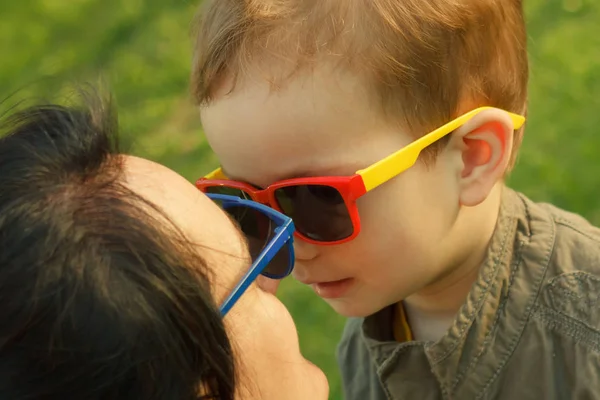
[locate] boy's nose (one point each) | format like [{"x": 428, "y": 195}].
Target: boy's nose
[{"x": 305, "y": 251}]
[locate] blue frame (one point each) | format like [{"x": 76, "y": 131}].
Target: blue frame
[{"x": 284, "y": 235}]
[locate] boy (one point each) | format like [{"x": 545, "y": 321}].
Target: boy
[{"x": 456, "y": 286}]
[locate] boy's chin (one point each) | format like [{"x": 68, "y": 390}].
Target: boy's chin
[{"x": 351, "y": 308}]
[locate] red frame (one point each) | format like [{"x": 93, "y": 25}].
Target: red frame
[{"x": 350, "y": 187}]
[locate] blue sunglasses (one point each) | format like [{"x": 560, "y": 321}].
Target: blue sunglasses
[{"x": 270, "y": 237}]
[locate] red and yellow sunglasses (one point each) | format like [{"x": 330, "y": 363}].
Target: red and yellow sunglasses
[{"x": 324, "y": 209}]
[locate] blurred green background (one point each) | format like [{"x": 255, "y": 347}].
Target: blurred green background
[{"x": 142, "y": 50}]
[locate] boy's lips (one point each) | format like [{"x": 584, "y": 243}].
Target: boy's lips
[
  {"x": 310, "y": 282},
  {"x": 331, "y": 289}
]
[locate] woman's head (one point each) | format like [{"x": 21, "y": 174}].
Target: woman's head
[{"x": 112, "y": 269}]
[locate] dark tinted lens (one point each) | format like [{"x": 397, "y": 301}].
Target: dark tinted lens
[
  {"x": 259, "y": 230},
  {"x": 318, "y": 211},
  {"x": 229, "y": 191}
]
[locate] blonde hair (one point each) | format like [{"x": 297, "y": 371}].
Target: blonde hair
[{"x": 423, "y": 60}]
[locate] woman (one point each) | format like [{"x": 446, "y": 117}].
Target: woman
[{"x": 115, "y": 274}]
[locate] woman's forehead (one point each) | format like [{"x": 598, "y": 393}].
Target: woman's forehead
[
  {"x": 187, "y": 207},
  {"x": 205, "y": 225}
]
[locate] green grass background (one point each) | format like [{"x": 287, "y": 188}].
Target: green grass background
[{"x": 142, "y": 50}]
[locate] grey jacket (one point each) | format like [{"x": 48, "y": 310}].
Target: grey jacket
[{"x": 529, "y": 329}]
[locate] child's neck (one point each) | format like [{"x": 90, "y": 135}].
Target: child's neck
[{"x": 432, "y": 311}]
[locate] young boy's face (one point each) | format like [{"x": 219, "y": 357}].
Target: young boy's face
[{"x": 321, "y": 124}]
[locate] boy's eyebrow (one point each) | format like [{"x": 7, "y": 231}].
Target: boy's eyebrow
[
  {"x": 233, "y": 178},
  {"x": 279, "y": 178},
  {"x": 333, "y": 171}
]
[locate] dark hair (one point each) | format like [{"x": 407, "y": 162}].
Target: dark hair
[{"x": 101, "y": 297}]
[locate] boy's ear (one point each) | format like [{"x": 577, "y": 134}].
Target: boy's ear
[{"x": 484, "y": 145}]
